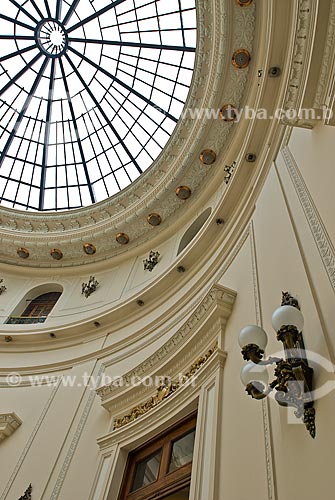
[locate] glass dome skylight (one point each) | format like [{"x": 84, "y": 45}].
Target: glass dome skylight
[{"x": 90, "y": 92}]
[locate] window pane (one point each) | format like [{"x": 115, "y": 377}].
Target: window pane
[
  {"x": 182, "y": 451},
  {"x": 183, "y": 494},
  {"x": 147, "y": 471}
]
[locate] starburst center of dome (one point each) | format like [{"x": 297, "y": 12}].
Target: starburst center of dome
[{"x": 51, "y": 38}]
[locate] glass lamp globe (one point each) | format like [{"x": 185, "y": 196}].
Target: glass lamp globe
[
  {"x": 253, "y": 372},
  {"x": 287, "y": 315},
  {"x": 253, "y": 334}
]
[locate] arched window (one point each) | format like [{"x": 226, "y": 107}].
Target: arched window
[{"x": 36, "y": 309}]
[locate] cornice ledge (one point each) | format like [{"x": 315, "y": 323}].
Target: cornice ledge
[
  {"x": 9, "y": 422},
  {"x": 218, "y": 298},
  {"x": 182, "y": 402}
]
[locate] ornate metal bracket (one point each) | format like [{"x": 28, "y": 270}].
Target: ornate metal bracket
[
  {"x": 230, "y": 170},
  {"x": 294, "y": 377},
  {"x": 88, "y": 288},
  {"x": 151, "y": 261},
  {"x": 2, "y": 287},
  {"x": 27, "y": 494}
]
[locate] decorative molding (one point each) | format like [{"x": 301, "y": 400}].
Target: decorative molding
[
  {"x": 9, "y": 422},
  {"x": 318, "y": 230},
  {"x": 325, "y": 88},
  {"x": 151, "y": 262},
  {"x": 229, "y": 169},
  {"x": 164, "y": 391},
  {"x": 217, "y": 297},
  {"x": 74, "y": 443},
  {"x": 300, "y": 62},
  {"x": 269, "y": 457},
  {"x": 184, "y": 401},
  {"x": 29, "y": 443}
]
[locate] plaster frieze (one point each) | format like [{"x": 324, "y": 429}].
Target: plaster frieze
[
  {"x": 321, "y": 237},
  {"x": 180, "y": 404},
  {"x": 300, "y": 62},
  {"x": 198, "y": 333},
  {"x": 164, "y": 391}
]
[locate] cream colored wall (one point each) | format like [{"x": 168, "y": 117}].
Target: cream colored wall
[
  {"x": 264, "y": 453},
  {"x": 285, "y": 257}
]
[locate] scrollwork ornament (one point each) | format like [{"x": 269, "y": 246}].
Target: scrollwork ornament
[
  {"x": 252, "y": 352},
  {"x": 309, "y": 421},
  {"x": 88, "y": 288},
  {"x": 151, "y": 262},
  {"x": 164, "y": 391},
  {"x": 27, "y": 493},
  {"x": 3, "y": 288},
  {"x": 288, "y": 300}
]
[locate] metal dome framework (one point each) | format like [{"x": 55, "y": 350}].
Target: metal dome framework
[{"x": 90, "y": 92}]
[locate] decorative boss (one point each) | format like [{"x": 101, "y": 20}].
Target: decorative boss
[{"x": 88, "y": 288}]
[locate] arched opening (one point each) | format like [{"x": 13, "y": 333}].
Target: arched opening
[
  {"x": 35, "y": 306},
  {"x": 193, "y": 230}
]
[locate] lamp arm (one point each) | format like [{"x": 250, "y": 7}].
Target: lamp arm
[
  {"x": 270, "y": 361},
  {"x": 258, "y": 391}
]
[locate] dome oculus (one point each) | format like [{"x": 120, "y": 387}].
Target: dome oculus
[{"x": 90, "y": 93}]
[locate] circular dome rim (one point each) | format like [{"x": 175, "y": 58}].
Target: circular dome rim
[{"x": 217, "y": 78}]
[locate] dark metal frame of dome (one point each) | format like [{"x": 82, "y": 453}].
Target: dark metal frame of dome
[{"x": 46, "y": 29}]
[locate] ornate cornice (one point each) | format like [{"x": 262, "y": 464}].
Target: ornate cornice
[
  {"x": 180, "y": 404},
  {"x": 215, "y": 307},
  {"x": 9, "y": 422},
  {"x": 300, "y": 62},
  {"x": 164, "y": 391}
]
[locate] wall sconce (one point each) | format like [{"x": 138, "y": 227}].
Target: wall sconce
[
  {"x": 3, "y": 288},
  {"x": 88, "y": 288},
  {"x": 294, "y": 378},
  {"x": 151, "y": 261}
]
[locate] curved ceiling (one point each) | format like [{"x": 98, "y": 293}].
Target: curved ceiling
[
  {"x": 229, "y": 185},
  {"x": 90, "y": 92},
  {"x": 28, "y": 238}
]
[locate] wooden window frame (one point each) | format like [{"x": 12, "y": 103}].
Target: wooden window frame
[
  {"x": 44, "y": 306},
  {"x": 167, "y": 483}
]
